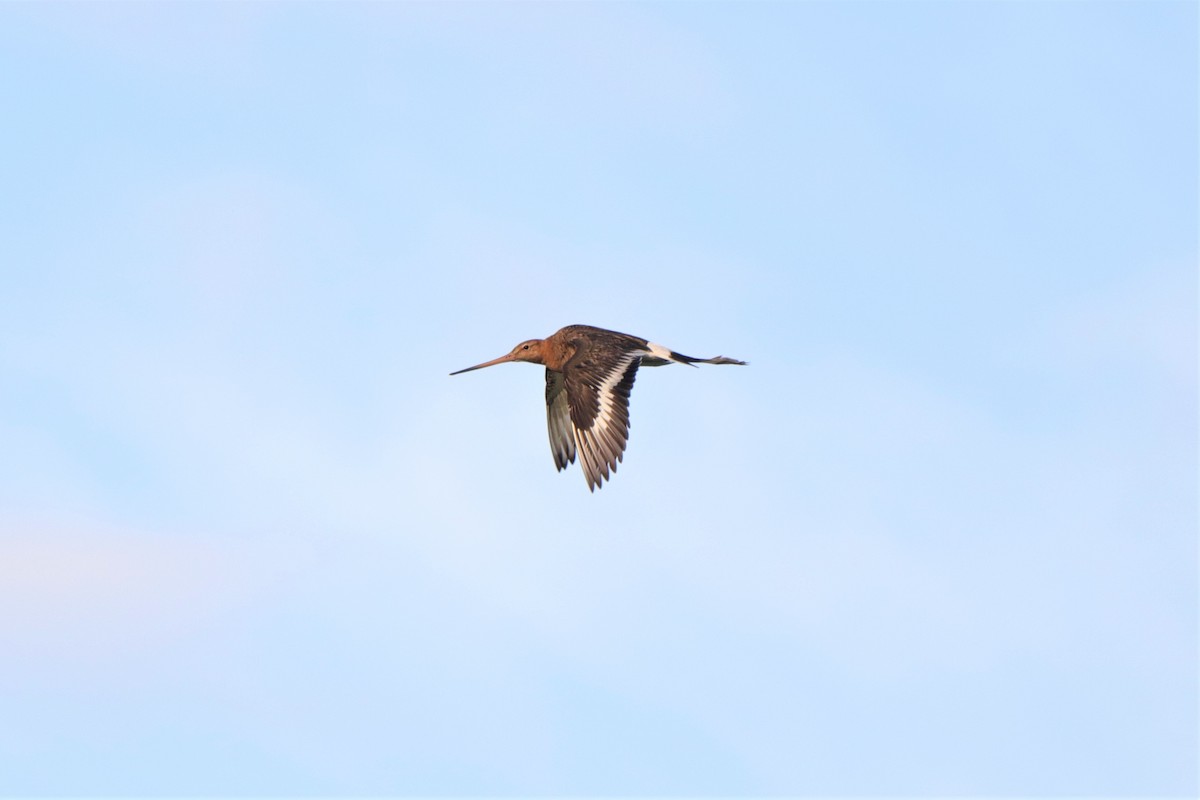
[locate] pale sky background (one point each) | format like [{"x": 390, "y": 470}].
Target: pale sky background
[{"x": 940, "y": 536}]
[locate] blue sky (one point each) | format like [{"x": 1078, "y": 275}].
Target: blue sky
[{"x": 939, "y": 538}]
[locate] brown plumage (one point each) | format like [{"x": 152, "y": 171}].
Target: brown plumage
[{"x": 589, "y": 374}]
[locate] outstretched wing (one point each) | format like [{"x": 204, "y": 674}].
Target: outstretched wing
[
  {"x": 558, "y": 419},
  {"x": 598, "y": 382}
]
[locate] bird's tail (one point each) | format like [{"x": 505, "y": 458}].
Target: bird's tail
[
  {"x": 682, "y": 359},
  {"x": 660, "y": 356}
]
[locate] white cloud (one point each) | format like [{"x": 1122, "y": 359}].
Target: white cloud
[{"x": 82, "y": 595}]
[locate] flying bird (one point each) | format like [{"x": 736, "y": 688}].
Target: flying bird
[{"x": 589, "y": 374}]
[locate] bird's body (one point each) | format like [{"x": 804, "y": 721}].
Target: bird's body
[{"x": 589, "y": 374}]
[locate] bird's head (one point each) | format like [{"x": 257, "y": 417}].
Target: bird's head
[{"x": 530, "y": 350}]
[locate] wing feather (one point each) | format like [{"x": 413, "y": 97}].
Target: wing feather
[
  {"x": 597, "y": 388},
  {"x": 558, "y": 420}
]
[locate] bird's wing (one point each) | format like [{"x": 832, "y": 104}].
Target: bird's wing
[
  {"x": 598, "y": 383},
  {"x": 558, "y": 419}
]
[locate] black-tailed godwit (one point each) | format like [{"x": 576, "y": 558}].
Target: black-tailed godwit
[{"x": 589, "y": 374}]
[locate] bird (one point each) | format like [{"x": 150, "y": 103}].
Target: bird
[{"x": 589, "y": 375}]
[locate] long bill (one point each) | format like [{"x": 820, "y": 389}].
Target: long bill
[{"x": 501, "y": 360}]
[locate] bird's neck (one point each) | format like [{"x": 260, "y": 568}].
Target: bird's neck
[{"x": 554, "y": 354}]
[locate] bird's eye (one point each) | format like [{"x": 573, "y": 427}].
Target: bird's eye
[{"x": 524, "y": 347}]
